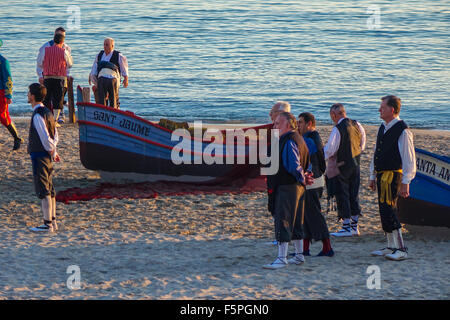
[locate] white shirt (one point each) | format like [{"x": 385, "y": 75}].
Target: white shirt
[
  {"x": 332, "y": 145},
  {"x": 48, "y": 143},
  {"x": 407, "y": 153},
  {"x": 123, "y": 62},
  {"x": 41, "y": 55}
]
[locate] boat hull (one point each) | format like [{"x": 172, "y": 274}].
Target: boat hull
[
  {"x": 422, "y": 213},
  {"x": 429, "y": 201},
  {"x": 104, "y": 158},
  {"x": 117, "y": 141}
]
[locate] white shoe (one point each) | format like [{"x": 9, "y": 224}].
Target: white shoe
[
  {"x": 297, "y": 259},
  {"x": 355, "y": 231},
  {"x": 382, "y": 252},
  {"x": 344, "y": 232},
  {"x": 54, "y": 225},
  {"x": 43, "y": 228},
  {"x": 277, "y": 264},
  {"x": 397, "y": 255}
]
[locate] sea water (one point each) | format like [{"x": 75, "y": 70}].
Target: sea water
[{"x": 229, "y": 61}]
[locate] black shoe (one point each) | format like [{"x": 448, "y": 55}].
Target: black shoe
[
  {"x": 17, "y": 143},
  {"x": 326, "y": 254},
  {"x": 305, "y": 253}
]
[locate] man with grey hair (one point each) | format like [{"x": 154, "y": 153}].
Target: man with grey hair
[
  {"x": 108, "y": 67},
  {"x": 287, "y": 188},
  {"x": 344, "y": 147},
  {"x": 279, "y": 107}
]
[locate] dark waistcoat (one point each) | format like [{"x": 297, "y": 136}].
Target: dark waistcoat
[
  {"x": 317, "y": 159},
  {"x": 387, "y": 155},
  {"x": 349, "y": 150},
  {"x": 34, "y": 141},
  {"x": 283, "y": 177},
  {"x": 104, "y": 64}
]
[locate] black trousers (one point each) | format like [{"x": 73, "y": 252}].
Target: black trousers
[
  {"x": 315, "y": 226},
  {"x": 43, "y": 177},
  {"x": 288, "y": 212},
  {"x": 55, "y": 93},
  {"x": 108, "y": 87},
  {"x": 388, "y": 213},
  {"x": 347, "y": 194}
]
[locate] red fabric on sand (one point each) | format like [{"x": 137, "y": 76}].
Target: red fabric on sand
[{"x": 148, "y": 190}]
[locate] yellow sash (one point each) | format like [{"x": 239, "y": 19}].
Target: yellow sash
[{"x": 385, "y": 185}]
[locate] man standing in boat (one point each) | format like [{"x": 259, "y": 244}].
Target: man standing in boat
[
  {"x": 392, "y": 168},
  {"x": 109, "y": 65},
  {"x": 42, "y": 141},
  {"x": 288, "y": 190},
  {"x": 6, "y": 89},
  {"x": 345, "y": 145}
]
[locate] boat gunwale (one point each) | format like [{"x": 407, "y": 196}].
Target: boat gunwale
[
  {"x": 134, "y": 116},
  {"x": 434, "y": 155}
]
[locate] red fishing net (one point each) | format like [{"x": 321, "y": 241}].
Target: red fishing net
[{"x": 147, "y": 190}]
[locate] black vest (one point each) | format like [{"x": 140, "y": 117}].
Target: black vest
[
  {"x": 112, "y": 64},
  {"x": 350, "y": 146},
  {"x": 317, "y": 159},
  {"x": 387, "y": 155},
  {"x": 34, "y": 141},
  {"x": 283, "y": 177}
]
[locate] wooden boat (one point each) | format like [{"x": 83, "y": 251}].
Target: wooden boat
[
  {"x": 122, "y": 145},
  {"x": 429, "y": 201}
]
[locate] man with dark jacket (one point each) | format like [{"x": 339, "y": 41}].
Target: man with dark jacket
[
  {"x": 288, "y": 188},
  {"x": 42, "y": 141}
]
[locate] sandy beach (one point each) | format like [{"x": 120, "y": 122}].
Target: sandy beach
[{"x": 195, "y": 246}]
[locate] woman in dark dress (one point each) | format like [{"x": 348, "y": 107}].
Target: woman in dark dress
[{"x": 315, "y": 226}]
